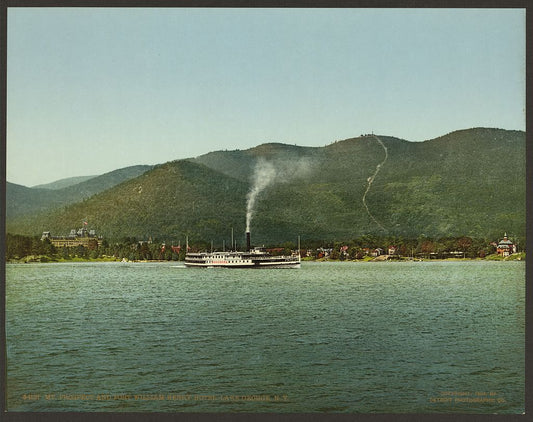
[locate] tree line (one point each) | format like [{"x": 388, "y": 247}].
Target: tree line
[
  {"x": 130, "y": 248},
  {"x": 422, "y": 247},
  {"x": 20, "y": 247}
]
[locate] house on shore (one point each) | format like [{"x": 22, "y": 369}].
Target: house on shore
[{"x": 505, "y": 246}]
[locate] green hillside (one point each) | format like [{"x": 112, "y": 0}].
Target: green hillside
[
  {"x": 466, "y": 183},
  {"x": 21, "y": 200},
  {"x": 172, "y": 200},
  {"x": 470, "y": 182}
]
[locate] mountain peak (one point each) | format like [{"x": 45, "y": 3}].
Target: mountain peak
[{"x": 410, "y": 188}]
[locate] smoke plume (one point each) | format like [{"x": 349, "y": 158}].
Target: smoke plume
[{"x": 265, "y": 172}]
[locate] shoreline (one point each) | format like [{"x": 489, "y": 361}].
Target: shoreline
[{"x": 51, "y": 260}]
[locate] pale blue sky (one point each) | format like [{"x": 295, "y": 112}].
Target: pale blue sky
[{"x": 92, "y": 90}]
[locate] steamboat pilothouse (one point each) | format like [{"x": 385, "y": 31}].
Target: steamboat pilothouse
[{"x": 252, "y": 258}]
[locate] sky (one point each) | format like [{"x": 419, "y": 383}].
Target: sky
[{"x": 91, "y": 90}]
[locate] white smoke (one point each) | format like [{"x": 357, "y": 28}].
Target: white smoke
[{"x": 265, "y": 172}]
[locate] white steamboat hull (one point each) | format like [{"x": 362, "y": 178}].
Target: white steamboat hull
[
  {"x": 234, "y": 265},
  {"x": 240, "y": 260}
]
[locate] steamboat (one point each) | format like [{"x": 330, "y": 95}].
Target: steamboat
[{"x": 252, "y": 258}]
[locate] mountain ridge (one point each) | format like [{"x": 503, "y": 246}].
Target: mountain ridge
[
  {"x": 451, "y": 185},
  {"x": 22, "y": 200},
  {"x": 64, "y": 183}
]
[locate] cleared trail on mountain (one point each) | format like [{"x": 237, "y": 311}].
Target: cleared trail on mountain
[{"x": 371, "y": 179}]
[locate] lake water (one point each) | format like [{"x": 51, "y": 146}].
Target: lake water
[{"x": 408, "y": 337}]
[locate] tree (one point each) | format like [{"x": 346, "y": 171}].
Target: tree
[
  {"x": 48, "y": 248},
  {"x": 65, "y": 253},
  {"x": 18, "y": 246},
  {"x": 427, "y": 247},
  {"x": 464, "y": 243},
  {"x": 144, "y": 251},
  {"x": 81, "y": 251},
  {"x": 479, "y": 248},
  {"x": 36, "y": 246},
  {"x": 353, "y": 252}
]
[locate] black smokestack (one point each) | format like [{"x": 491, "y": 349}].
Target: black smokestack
[{"x": 248, "y": 245}]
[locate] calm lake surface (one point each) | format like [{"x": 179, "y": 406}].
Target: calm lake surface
[{"x": 328, "y": 337}]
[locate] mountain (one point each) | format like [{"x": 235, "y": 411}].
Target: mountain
[
  {"x": 22, "y": 201},
  {"x": 468, "y": 182},
  {"x": 63, "y": 183},
  {"x": 175, "y": 199}
]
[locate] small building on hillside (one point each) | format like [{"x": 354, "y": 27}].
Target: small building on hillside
[{"x": 505, "y": 246}]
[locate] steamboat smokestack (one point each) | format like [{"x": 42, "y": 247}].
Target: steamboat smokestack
[{"x": 248, "y": 245}]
